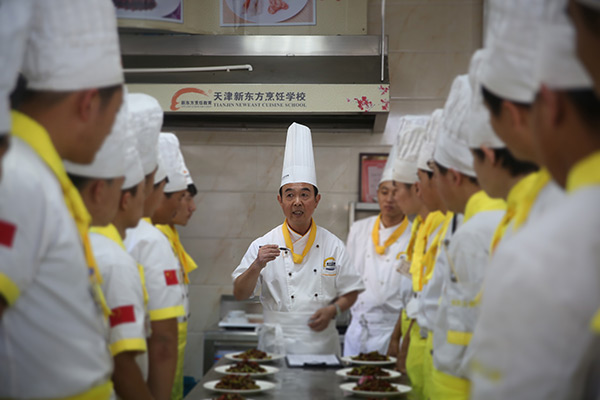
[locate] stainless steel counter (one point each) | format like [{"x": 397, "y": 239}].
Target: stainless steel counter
[{"x": 290, "y": 384}]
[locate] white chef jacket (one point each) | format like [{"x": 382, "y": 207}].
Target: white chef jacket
[
  {"x": 124, "y": 293},
  {"x": 458, "y": 310},
  {"x": 164, "y": 279},
  {"x": 533, "y": 340},
  {"x": 52, "y": 336},
  {"x": 432, "y": 290},
  {"x": 376, "y": 310},
  {"x": 325, "y": 273}
]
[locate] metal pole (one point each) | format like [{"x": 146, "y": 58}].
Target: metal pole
[
  {"x": 227, "y": 68},
  {"x": 382, "y": 40}
]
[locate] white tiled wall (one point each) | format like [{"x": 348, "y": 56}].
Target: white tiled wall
[{"x": 238, "y": 173}]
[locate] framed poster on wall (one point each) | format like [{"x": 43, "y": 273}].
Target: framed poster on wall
[
  {"x": 370, "y": 170},
  {"x": 268, "y": 12}
]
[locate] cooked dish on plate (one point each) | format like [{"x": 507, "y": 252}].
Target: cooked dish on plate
[
  {"x": 230, "y": 396},
  {"x": 370, "y": 384},
  {"x": 368, "y": 370},
  {"x": 253, "y": 354},
  {"x": 237, "y": 382},
  {"x": 247, "y": 367},
  {"x": 372, "y": 356}
]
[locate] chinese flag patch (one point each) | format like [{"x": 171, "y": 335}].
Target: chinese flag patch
[
  {"x": 7, "y": 233},
  {"x": 171, "y": 277},
  {"x": 122, "y": 315}
]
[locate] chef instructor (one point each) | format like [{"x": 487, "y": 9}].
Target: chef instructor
[{"x": 303, "y": 271}]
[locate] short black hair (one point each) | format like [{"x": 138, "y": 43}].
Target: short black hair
[
  {"x": 281, "y": 191},
  {"x": 494, "y": 102},
  {"x": 509, "y": 162},
  {"x": 587, "y": 105},
  {"x": 443, "y": 170},
  {"x": 80, "y": 182},
  {"x": 192, "y": 189},
  {"x": 132, "y": 190},
  {"x": 590, "y": 16},
  {"x": 429, "y": 173},
  {"x": 157, "y": 184}
]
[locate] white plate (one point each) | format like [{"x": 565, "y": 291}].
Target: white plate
[
  {"x": 295, "y": 6},
  {"x": 344, "y": 374},
  {"x": 262, "y": 386},
  {"x": 347, "y": 387},
  {"x": 348, "y": 359},
  {"x": 222, "y": 369},
  {"x": 274, "y": 357},
  {"x": 163, "y": 7}
]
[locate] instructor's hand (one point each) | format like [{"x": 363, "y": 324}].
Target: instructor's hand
[
  {"x": 267, "y": 253},
  {"x": 321, "y": 318}
]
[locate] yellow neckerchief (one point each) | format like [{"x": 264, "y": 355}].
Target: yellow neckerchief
[
  {"x": 288, "y": 240},
  {"x": 516, "y": 198},
  {"x": 414, "y": 230},
  {"x": 542, "y": 178},
  {"x": 111, "y": 232},
  {"x": 393, "y": 237},
  {"x": 186, "y": 261},
  {"x": 585, "y": 173},
  {"x": 432, "y": 252},
  {"x": 38, "y": 139},
  {"x": 479, "y": 202},
  {"x": 432, "y": 222}
]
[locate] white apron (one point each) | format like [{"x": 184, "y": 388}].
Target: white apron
[{"x": 369, "y": 332}]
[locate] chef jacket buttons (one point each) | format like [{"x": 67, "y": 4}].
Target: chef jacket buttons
[
  {"x": 289, "y": 274},
  {"x": 315, "y": 270},
  {"x": 317, "y": 246},
  {"x": 292, "y": 296},
  {"x": 316, "y": 295}
]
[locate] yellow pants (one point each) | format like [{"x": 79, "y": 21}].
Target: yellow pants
[
  {"x": 428, "y": 366},
  {"x": 414, "y": 362},
  {"x": 448, "y": 387},
  {"x": 103, "y": 391},
  {"x": 405, "y": 322},
  {"x": 177, "y": 391}
]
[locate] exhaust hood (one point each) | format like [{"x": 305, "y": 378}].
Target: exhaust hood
[{"x": 332, "y": 83}]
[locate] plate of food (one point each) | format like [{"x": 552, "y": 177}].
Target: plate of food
[
  {"x": 266, "y": 11},
  {"x": 246, "y": 367},
  {"x": 372, "y": 358},
  {"x": 229, "y": 396},
  {"x": 240, "y": 384},
  {"x": 145, "y": 8},
  {"x": 253, "y": 355},
  {"x": 375, "y": 388},
  {"x": 367, "y": 370}
]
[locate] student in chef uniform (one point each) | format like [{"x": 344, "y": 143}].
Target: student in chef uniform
[
  {"x": 375, "y": 245},
  {"x": 585, "y": 15},
  {"x": 309, "y": 282},
  {"x": 52, "y": 328},
  {"x": 182, "y": 216},
  {"x": 499, "y": 173},
  {"x": 164, "y": 278},
  {"x": 468, "y": 250},
  {"x": 535, "y": 335},
  {"x": 15, "y": 17}
]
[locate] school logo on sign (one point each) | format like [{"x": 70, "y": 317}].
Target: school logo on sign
[{"x": 190, "y": 98}]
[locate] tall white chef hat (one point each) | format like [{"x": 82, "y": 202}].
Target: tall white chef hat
[
  {"x": 480, "y": 129},
  {"x": 298, "y": 159},
  {"x": 134, "y": 173},
  {"x": 557, "y": 64},
  {"x": 73, "y": 45},
  {"x": 187, "y": 174},
  {"x": 110, "y": 161},
  {"x": 431, "y": 132},
  {"x": 595, "y": 4},
  {"x": 388, "y": 170},
  {"x": 410, "y": 138},
  {"x": 168, "y": 146},
  {"x": 161, "y": 172},
  {"x": 15, "y": 18},
  {"x": 146, "y": 121},
  {"x": 452, "y": 148}
]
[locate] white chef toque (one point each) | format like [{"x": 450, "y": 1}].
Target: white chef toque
[
  {"x": 409, "y": 139},
  {"x": 161, "y": 172},
  {"x": 594, "y": 4},
  {"x": 168, "y": 146},
  {"x": 298, "y": 159},
  {"x": 388, "y": 170},
  {"x": 479, "y": 127},
  {"x": 146, "y": 121},
  {"x": 431, "y": 132},
  {"x": 557, "y": 65},
  {"x": 109, "y": 162},
  {"x": 452, "y": 148},
  {"x": 134, "y": 173},
  {"x": 188, "y": 177},
  {"x": 15, "y": 19},
  {"x": 73, "y": 46}
]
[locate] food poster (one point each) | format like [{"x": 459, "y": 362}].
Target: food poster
[
  {"x": 158, "y": 10},
  {"x": 268, "y": 12}
]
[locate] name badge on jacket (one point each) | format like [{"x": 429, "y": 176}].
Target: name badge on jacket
[{"x": 329, "y": 267}]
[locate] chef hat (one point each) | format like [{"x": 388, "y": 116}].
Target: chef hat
[
  {"x": 452, "y": 148},
  {"x": 388, "y": 170},
  {"x": 557, "y": 64},
  {"x": 15, "y": 17},
  {"x": 168, "y": 146},
  {"x": 410, "y": 138},
  {"x": 134, "y": 173},
  {"x": 146, "y": 121},
  {"x": 73, "y": 45},
  {"x": 161, "y": 172},
  {"x": 595, "y": 4},
  {"x": 479, "y": 127},
  {"x": 298, "y": 159},
  {"x": 188, "y": 177},
  {"x": 428, "y": 146},
  {"x": 109, "y": 162}
]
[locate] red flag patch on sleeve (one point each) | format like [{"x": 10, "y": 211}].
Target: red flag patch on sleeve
[
  {"x": 171, "y": 277},
  {"x": 122, "y": 315},
  {"x": 7, "y": 233}
]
